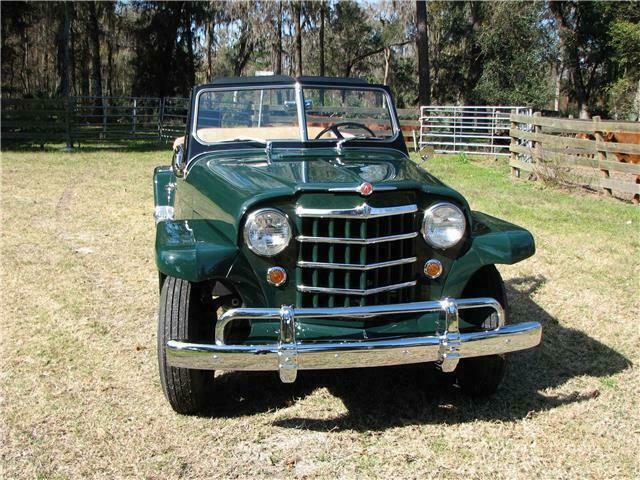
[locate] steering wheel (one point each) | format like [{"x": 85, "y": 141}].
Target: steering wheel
[{"x": 335, "y": 129}]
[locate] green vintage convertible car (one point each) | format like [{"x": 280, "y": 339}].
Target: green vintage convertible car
[{"x": 294, "y": 233}]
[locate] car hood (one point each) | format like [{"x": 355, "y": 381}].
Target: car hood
[{"x": 234, "y": 182}]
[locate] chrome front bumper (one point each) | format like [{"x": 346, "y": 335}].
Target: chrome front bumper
[{"x": 447, "y": 346}]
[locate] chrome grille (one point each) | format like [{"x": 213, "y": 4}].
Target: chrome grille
[{"x": 360, "y": 256}]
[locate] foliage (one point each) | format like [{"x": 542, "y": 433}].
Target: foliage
[
  {"x": 624, "y": 93},
  {"x": 516, "y": 56},
  {"x": 477, "y": 52}
]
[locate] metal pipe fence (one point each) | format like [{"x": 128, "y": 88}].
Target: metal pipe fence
[{"x": 482, "y": 130}]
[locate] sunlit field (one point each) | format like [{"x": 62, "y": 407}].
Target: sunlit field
[{"x": 80, "y": 395}]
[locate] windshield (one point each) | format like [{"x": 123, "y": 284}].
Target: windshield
[
  {"x": 268, "y": 114},
  {"x": 346, "y": 113},
  {"x": 265, "y": 114}
]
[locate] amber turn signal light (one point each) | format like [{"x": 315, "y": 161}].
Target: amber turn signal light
[
  {"x": 433, "y": 268},
  {"x": 276, "y": 276}
]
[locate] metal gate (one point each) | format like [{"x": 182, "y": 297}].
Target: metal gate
[{"x": 482, "y": 130}]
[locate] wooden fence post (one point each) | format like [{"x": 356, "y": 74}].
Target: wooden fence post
[
  {"x": 515, "y": 171},
  {"x": 134, "y": 120},
  {"x": 67, "y": 121},
  {"x": 536, "y": 145},
  {"x": 601, "y": 155},
  {"x": 160, "y": 118}
]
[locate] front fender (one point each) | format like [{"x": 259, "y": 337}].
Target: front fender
[
  {"x": 193, "y": 250},
  {"x": 494, "y": 241}
]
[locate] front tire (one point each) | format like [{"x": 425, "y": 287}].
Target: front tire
[
  {"x": 481, "y": 376},
  {"x": 182, "y": 316}
]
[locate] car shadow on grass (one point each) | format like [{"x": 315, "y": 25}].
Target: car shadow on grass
[{"x": 381, "y": 398}]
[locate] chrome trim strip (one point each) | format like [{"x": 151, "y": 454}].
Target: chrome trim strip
[
  {"x": 288, "y": 356},
  {"x": 356, "y": 291},
  {"x": 357, "y": 241},
  {"x": 354, "y": 266},
  {"x": 361, "y": 211},
  {"x": 302, "y": 119}
]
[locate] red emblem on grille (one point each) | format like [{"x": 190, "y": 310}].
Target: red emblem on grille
[{"x": 365, "y": 189}]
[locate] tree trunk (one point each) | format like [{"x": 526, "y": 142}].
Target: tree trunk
[
  {"x": 64, "y": 61},
  {"x": 210, "y": 34},
  {"x": 474, "y": 53},
  {"x": 96, "y": 63},
  {"x": 559, "y": 72},
  {"x": 387, "y": 63},
  {"x": 244, "y": 52},
  {"x": 569, "y": 48},
  {"x": 297, "y": 15},
  {"x": 321, "y": 39},
  {"x": 110, "y": 37},
  {"x": 191, "y": 62},
  {"x": 85, "y": 81},
  {"x": 422, "y": 45},
  {"x": 278, "y": 45}
]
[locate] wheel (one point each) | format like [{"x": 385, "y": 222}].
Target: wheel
[
  {"x": 183, "y": 317},
  {"x": 481, "y": 376}
]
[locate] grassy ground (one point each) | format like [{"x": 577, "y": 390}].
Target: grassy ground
[{"x": 80, "y": 395}]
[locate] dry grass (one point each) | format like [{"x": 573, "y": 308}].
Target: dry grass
[{"x": 80, "y": 393}]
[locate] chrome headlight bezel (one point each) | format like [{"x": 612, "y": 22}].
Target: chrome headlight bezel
[
  {"x": 428, "y": 220},
  {"x": 250, "y": 221}
]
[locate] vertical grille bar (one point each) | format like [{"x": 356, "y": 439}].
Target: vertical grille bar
[
  {"x": 314, "y": 256},
  {"x": 347, "y": 259},
  {"x": 363, "y": 261},
  {"x": 332, "y": 225}
]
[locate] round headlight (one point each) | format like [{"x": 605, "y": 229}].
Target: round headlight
[
  {"x": 443, "y": 225},
  {"x": 267, "y": 232}
]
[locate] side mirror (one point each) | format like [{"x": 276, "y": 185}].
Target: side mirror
[
  {"x": 177, "y": 163},
  {"x": 426, "y": 152}
]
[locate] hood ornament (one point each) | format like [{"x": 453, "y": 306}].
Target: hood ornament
[{"x": 365, "y": 189}]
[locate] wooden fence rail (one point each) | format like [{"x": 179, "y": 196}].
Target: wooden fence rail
[{"x": 578, "y": 150}]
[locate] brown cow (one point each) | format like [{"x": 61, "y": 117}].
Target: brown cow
[{"x": 622, "y": 137}]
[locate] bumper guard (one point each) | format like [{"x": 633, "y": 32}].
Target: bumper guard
[{"x": 447, "y": 346}]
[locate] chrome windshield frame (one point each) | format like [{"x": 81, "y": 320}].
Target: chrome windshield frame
[{"x": 298, "y": 89}]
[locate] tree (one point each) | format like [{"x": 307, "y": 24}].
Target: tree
[
  {"x": 323, "y": 14},
  {"x": 297, "y": 15},
  {"x": 63, "y": 41},
  {"x": 583, "y": 31},
  {"x": 517, "y": 56},
  {"x": 96, "y": 62},
  {"x": 422, "y": 46},
  {"x": 624, "y": 91}
]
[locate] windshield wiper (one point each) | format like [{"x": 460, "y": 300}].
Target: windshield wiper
[
  {"x": 342, "y": 141},
  {"x": 268, "y": 144}
]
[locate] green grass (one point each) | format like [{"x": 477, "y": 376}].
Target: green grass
[{"x": 80, "y": 395}]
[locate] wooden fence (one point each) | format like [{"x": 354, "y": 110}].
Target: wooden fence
[
  {"x": 578, "y": 151},
  {"x": 116, "y": 119},
  {"x": 81, "y": 119}
]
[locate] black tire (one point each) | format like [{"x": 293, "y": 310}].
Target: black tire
[
  {"x": 481, "y": 376},
  {"x": 182, "y": 317}
]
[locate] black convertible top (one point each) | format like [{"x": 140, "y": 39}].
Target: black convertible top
[{"x": 282, "y": 80}]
